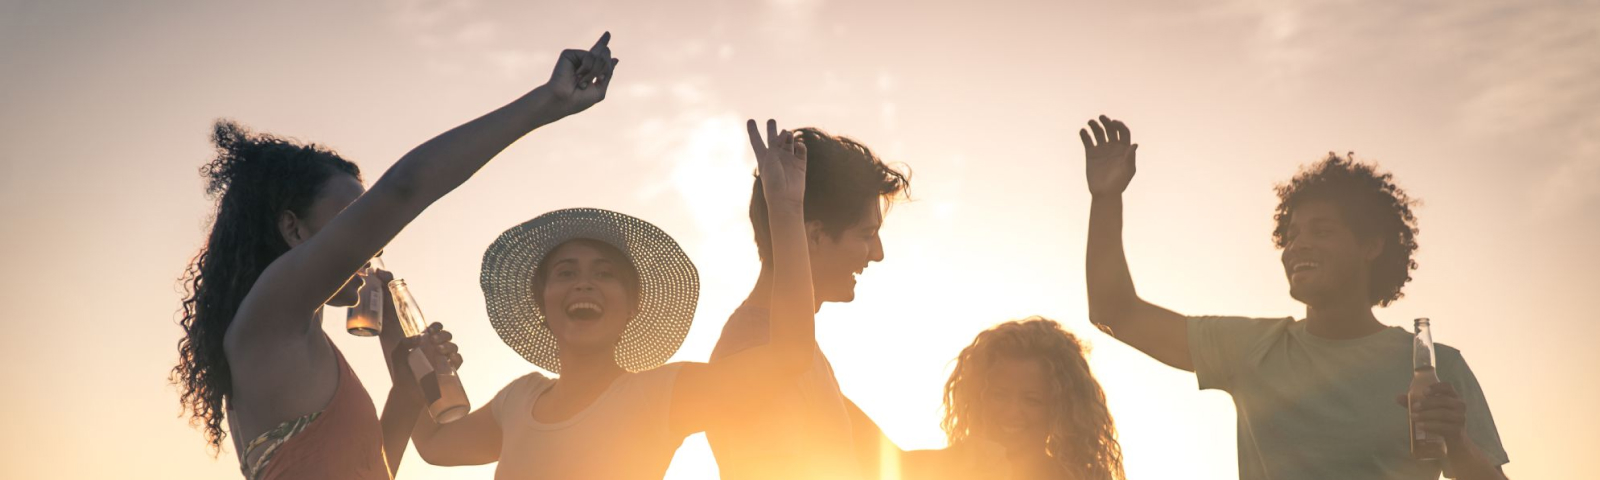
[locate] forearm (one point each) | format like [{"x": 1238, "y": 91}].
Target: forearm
[
  {"x": 1468, "y": 462},
  {"x": 399, "y": 415},
  {"x": 441, "y": 164},
  {"x": 793, "y": 329},
  {"x": 1111, "y": 292}
]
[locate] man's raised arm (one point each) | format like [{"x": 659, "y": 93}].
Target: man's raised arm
[{"x": 1114, "y": 305}]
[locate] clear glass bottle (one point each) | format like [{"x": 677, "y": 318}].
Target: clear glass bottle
[
  {"x": 1424, "y": 445},
  {"x": 441, "y": 387}
]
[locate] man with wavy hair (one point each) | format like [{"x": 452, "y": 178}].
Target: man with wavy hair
[
  {"x": 1316, "y": 397},
  {"x": 806, "y": 433}
]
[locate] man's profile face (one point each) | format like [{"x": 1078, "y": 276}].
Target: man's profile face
[{"x": 835, "y": 261}]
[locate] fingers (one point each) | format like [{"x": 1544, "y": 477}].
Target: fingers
[
  {"x": 1099, "y": 133},
  {"x": 755, "y": 139},
  {"x": 1119, "y": 132},
  {"x": 1088, "y": 143},
  {"x": 605, "y": 80},
  {"x": 1442, "y": 389},
  {"x": 772, "y": 133},
  {"x": 1438, "y": 403},
  {"x": 1441, "y": 416},
  {"x": 603, "y": 45}
]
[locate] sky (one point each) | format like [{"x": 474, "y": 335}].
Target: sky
[{"x": 1485, "y": 110}]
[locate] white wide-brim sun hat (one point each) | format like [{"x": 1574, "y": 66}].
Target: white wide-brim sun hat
[{"x": 669, "y": 285}]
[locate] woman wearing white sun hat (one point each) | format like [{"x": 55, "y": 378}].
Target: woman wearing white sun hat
[{"x": 603, "y": 299}]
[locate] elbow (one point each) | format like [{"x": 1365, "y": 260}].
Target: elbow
[
  {"x": 1110, "y": 313},
  {"x": 428, "y": 453}
]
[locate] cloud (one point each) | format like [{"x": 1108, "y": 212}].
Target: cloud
[{"x": 1518, "y": 72}]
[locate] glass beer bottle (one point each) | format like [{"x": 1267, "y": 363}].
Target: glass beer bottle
[
  {"x": 1424, "y": 445},
  {"x": 441, "y": 387},
  {"x": 365, "y": 319}
]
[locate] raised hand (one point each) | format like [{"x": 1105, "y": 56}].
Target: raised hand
[
  {"x": 1109, "y": 156},
  {"x": 581, "y": 77},
  {"x": 781, "y": 166}
]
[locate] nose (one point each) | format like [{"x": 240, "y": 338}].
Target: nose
[{"x": 875, "y": 252}]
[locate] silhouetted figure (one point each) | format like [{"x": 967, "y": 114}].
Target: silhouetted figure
[
  {"x": 1316, "y": 396},
  {"x": 293, "y": 225},
  {"x": 1023, "y": 404},
  {"x": 603, "y": 299},
  {"x": 806, "y": 432}
]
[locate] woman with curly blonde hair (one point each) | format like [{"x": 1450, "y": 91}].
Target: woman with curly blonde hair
[{"x": 1026, "y": 386}]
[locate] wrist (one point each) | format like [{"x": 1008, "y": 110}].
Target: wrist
[
  {"x": 1105, "y": 196},
  {"x": 786, "y": 212},
  {"x": 541, "y": 107}
]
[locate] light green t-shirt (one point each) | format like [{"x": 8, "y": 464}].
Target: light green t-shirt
[{"x": 1314, "y": 408}]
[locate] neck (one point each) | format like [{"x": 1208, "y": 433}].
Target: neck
[
  {"x": 1342, "y": 320},
  {"x": 584, "y": 370},
  {"x": 761, "y": 294}
]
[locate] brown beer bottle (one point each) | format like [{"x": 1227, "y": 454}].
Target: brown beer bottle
[
  {"x": 1424, "y": 445},
  {"x": 365, "y": 319}
]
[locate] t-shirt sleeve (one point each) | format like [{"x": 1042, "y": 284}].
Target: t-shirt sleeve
[
  {"x": 509, "y": 395},
  {"x": 1219, "y": 346},
  {"x": 1480, "y": 422}
]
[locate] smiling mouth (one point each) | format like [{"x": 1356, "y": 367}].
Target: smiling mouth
[
  {"x": 585, "y": 311},
  {"x": 1303, "y": 266}
]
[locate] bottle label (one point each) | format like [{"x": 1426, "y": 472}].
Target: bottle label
[{"x": 427, "y": 378}]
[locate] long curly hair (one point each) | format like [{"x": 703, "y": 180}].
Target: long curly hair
[
  {"x": 1374, "y": 207},
  {"x": 1083, "y": 437},
  {"x": 253, "y": 179}
]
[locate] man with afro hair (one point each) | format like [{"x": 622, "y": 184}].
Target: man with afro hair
[{"x": 1316, "y": 397}]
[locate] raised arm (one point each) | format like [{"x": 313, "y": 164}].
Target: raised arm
[
  {"x": 306, "y": 276},
  {"x": 1114, "y": 304},
  {"x": 708, "y": 392}
]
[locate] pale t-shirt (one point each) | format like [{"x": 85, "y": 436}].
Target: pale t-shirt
[
  {"x": 623, "y": 435},
  {"x": 802, "y": 433},
  {"x": 1314, "y": 408}
]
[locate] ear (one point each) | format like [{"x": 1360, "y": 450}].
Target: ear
[
  {"x": 292, "y": 229},
  {"x": 1371, "y": 248},
  {"x": 814, "y": 234}
]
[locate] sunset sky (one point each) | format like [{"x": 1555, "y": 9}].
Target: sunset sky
[{"x": 1486, "y": 110}]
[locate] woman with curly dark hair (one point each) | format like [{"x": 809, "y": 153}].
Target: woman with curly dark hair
[
  {"x": 1316, "y": 397},
  {"x": 292, "y": 227}
]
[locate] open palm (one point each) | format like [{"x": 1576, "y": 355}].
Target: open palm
[{"x": 1108, "y": 156}]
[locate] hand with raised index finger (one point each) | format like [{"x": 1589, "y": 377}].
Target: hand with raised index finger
[
  {"x": 1108, "y": 156},
  {"x": 581, "y": 77},
  {"x": 781, "y": 165}
]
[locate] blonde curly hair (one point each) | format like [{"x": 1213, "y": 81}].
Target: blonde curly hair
[{"x": 1083, "y": 437}]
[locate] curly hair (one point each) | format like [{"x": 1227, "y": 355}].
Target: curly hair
[
  {"x": 1371, "y": 204},
  {"x": 1083, "y": 437},
  {"x": 253, "y": 179},
  {"x": 843, "y": 176}
]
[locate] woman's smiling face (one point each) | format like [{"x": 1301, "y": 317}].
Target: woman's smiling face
[{"x": 589, "y": 295}]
